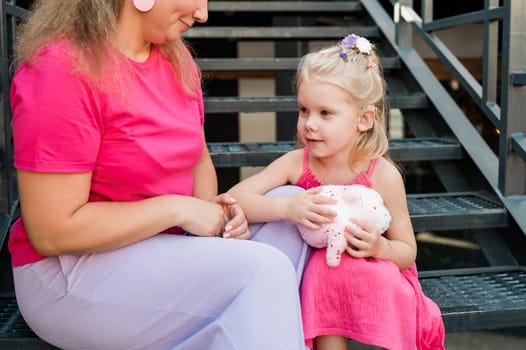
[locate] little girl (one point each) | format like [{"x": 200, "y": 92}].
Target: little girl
[{"x": 374, "y": 295}]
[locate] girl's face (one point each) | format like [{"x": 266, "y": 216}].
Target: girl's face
[
  {"x": 328, "y": 119},
  {"x": 168, "y": 19}
]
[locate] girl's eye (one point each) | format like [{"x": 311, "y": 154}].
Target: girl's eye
[
  {"x": 325, "y": 113},
  {"x": 302, "y": 110}
]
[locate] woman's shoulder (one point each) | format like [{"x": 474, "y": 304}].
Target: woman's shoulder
[
  {"x": 53, "y": 60},
  {"x": 52, "y": 68},
  {"x": 56, "y": 54}
]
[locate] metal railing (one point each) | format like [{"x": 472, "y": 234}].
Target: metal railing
[{"x": 500, "y": 96}]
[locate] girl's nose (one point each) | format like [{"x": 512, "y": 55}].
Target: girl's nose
[
  {"x": 310, "y": 123},
  {"x": 201, "y": 12}
]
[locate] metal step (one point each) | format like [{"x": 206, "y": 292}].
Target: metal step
[
  {"x": 295, "y": 7},
  {"x": 234, "y": 104},
  {"x": 478, "y": 298},
  {"x": 469, "y": 299},
  {"x": 269, "y": 64},
  {"x": 236, "y": 154},
  {"x": 455, "y": 211},
  {"x": 280, "y": 33}
]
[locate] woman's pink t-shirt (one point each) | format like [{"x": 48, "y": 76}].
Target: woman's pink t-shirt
[{"x": 138, "y": 143}]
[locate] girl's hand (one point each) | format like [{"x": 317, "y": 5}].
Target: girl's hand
[
  {"x": 309, "y": 209},
  {"x": 236, "y": 225},
  {"x": 362, "y": 243}
]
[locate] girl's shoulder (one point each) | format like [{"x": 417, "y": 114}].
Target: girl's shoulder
[
  {"x": 386, "y": 173},
  {"x": 291, "y": 163}
]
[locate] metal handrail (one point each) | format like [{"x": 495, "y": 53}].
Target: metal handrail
[{"x": 501, "y": 99}]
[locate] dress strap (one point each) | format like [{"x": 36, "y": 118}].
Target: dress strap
[
  {"x": 305, "y": 159},
  {"x": 372, "y": 165}
]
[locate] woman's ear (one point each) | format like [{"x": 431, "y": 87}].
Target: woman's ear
[{"x": 366, "y": 119}]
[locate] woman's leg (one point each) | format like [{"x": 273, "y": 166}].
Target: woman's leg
[
  {"x": 166, "y": 292},
  {"x": 283, "y": 234}
]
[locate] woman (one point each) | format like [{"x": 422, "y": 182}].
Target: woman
[{"x": 118, "y": 191}]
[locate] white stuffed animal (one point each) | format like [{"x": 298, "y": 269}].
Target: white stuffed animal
[{"x": 353, "y": 202}]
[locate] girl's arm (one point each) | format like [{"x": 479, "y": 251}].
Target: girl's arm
[
  {"x": 60, "y": 220},
  {"x": 304, "y": 208},
  {"x": 398, "y": 243}
]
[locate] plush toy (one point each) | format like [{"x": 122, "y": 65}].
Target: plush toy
[{"x": 353, "y": 201}]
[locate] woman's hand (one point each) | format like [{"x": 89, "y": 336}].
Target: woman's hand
[
  {"x": 236, "y": 225},
  {"x": 204, "y": 218},
  {"x": 362, "y": 243},
  {"x": 309, "y": 208}
]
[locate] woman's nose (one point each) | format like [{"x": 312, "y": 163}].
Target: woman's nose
[{"x": 201, "y": 12}]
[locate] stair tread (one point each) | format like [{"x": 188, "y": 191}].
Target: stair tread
[
  {"x": 234, "y": 104},
  {"x": 478, "y": 298},
  {"x": 235, "y": 154},
  {"x": 269, "y": 64},
  {"x": 474, "y": 298},
  {"x": 288, "y": 6},
  {"x": 455, "y": 211},
  {"x": 285, "y": 32}
]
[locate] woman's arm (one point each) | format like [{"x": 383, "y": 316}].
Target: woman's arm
[
  {"x": 205, "y": 187},
  {"x": 205, "y": 177},
  {"x": 60, "y": 220}
]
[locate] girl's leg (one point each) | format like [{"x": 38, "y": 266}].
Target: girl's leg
[
  {"x": 166, "y": 292},
  {"x": 331, "y": 342},
  {"x": 283, "y": 234}
]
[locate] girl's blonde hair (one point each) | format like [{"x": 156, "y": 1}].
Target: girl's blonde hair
[
  {"x": 89, "y": 26},
  {"x": 360, "y": 75}
]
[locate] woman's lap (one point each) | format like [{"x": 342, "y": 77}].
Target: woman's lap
[
  {"x": 170, "y": 292},
  {"x": 159, "y": 293}
]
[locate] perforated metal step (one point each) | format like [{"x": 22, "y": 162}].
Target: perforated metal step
[
  {"x": 234, "y": 104},
  {"x": 469, "y": 299},
  {"x": 269, "y": 64},
  {"x": 478, "y": 298},
  {"x": 234, "y": 154},
  {"x": 284, "y": 6},
  {"x": 11, "y": 322},
  {"x": 455, "y": 211},
  {"x": 14, "y": 332},
  {"x": 280, "y": 33}
]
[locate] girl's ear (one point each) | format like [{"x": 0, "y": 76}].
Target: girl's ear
[{"x": 366, "y": 119}]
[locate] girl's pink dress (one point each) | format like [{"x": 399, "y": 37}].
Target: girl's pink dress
[{"x": 367, "y": 300}]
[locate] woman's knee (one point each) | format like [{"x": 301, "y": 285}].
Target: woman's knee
[{"x": 285, "y": 190}]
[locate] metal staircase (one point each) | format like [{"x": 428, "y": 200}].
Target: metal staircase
[{"x": 466, "y": 194}]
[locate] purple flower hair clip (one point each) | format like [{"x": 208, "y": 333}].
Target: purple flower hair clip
[
  {"x": 356, "y": 43},
  {"x": 349, "y": 41}
]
